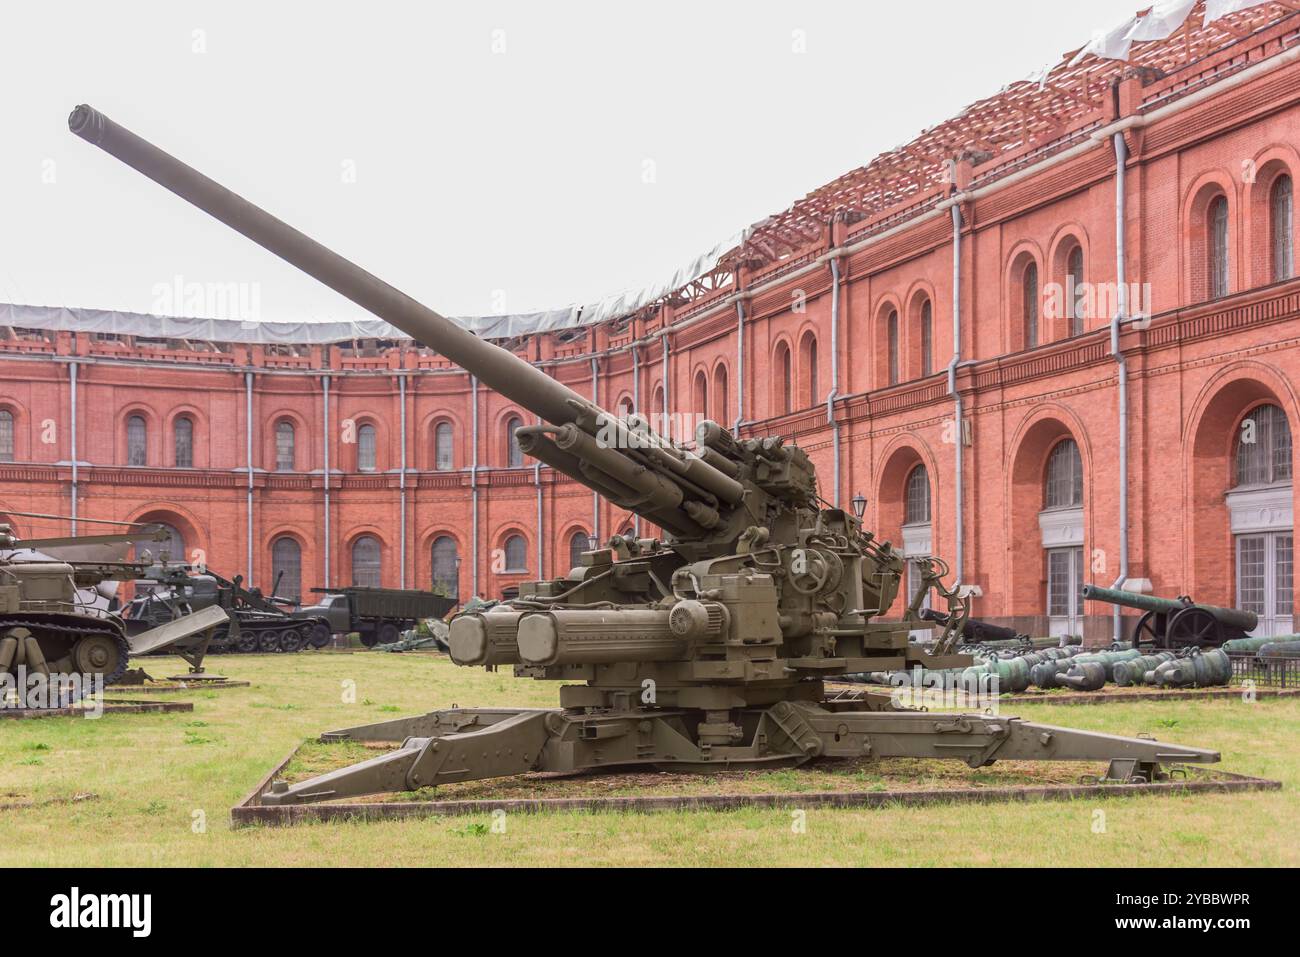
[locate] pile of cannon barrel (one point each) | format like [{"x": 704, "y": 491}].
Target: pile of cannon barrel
[{"x": 1020, "y": 663}]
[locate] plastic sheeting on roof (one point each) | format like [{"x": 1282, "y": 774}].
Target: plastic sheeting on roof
[
  {"x": 1162, "y": 21},
  {"x": 71, "y": 319},
  {"x": 1218, "y": 9}
]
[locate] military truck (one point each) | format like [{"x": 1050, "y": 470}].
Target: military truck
[{"x": 378, "y": 615}]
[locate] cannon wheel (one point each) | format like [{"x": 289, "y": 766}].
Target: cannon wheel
[
  {"x": 1195, "y": 627},
  {"x": 1150, "y": 630}
]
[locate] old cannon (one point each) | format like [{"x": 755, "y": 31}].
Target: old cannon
[
  {"x": 704, "y": 650},
  {"x": 1176, "y": 623}
]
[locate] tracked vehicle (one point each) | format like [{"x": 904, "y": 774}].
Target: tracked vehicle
[
  {"x": 52, "y": 620},
  {"x": 707, "y": 649}
]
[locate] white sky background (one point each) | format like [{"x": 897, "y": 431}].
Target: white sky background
[{"x": 485, "y": 182}]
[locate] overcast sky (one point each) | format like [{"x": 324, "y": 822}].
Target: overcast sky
[{"x": 484, "y": 157}]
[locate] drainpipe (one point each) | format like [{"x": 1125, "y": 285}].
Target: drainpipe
[
  {"x": 541, "y": 529},
  {"x": 740, "y": 365},
  {"x": 248, "y": 456},
  {"x": 325, "y": 446},
  {"x": 401, "y": 485},
  {"x": 72, "y": 383},
  {"x": 835, "y": 374},
  {"x": 1121, "y": 313},
  {"x": 959, "y": 523},
  {"x": 473, "y": 479},
  {"x": 636, "y": 407},
  {"x": 667, "y": 401},
  {"x": 595, "y": 496}
]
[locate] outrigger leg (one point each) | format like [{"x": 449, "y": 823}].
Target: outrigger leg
[{"x": 473, "y": 744}]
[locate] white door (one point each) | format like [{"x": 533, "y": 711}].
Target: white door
[
  {"x": 1064, "y": 583},
  {"x": 1265, "y": 580}
]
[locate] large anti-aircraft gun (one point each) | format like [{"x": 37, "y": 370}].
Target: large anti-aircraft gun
[{"x": 706, "y": 650}]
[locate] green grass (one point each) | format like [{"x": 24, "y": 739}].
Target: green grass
[{"x": 165, "y": 783}]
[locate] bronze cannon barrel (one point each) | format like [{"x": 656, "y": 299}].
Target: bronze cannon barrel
[{"x": 1232, "y": 617}]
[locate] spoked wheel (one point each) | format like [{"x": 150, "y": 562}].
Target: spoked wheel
[
  {"x": 291, "y": 640},
  {"x": 1149, "y": 630},
  {"x": 269, "y": 641},
  {"x": 247, "y": 642},
  {"x": 1195, "y": 628}
]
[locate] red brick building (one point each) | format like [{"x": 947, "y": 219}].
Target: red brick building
[{"x": 832, "y": 324}]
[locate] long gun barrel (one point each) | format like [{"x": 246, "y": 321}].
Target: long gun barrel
[
  {"x": 679, "y": 491},
  {"x": 1232, "y": 617}
]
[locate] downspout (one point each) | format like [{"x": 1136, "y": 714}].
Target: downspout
[
  {"x": 401, "y": 485},
  {"x": 248, "y": 457},
  {"x": 541, "y": 528},
  {"x": 473, "y": 480},
  {"x": 1121, "y": 313},
  {"x": 636, "y": 408},
  {"x": 959, "y": 440},
  {"x": 740, "y": 365},
  {"x": 835, "y": 374},
  {"x": 663, "y": 426},
  {"x": 72, "y": 383},
  {"x": 595, "y": 496},
  {"x": 325, "y": 446}
]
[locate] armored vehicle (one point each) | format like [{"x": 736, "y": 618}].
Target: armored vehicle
[
  {"x": 256, "y": 622},
  {"x": 706, "y": 649},
  {"x": 54, "y": 621}
]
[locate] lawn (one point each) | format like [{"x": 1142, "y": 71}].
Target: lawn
[{"x": 162, "y": 786}]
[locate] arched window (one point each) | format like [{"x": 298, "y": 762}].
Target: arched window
[
  {"x": 1064, "y": 486},
  {"x": 6, "y": 436},
  {"x": 284, "y": 446},
  {"x": 1282, "y": 221},
  {"x": 367, "y": 562},
  {"x": 136, "y": 453},
  {"x": 1217, "y": 225},
  {"x": 516, "y": 554},
  {"x": 784, "y": 381},
  {"x": 892, "y": 334},
  {"x": 721, "y": 395},
  {"x": 927, "y": 338},
  {"x": 286, "y": 567},
  {"x": 660, "y": 423},
  {"x": 808, "y": 370},
  {"x": 367, "y": 451},
  {"x": 446, "y": 566},
  {"x": 918, "y": 496},
  {"x": 172, "y": 548},
  {"x": 1073, "y": 280},
  {"x": 1264, "y": 447},
  {"x": 514, "y": 454},
  {"x": 444, "y": 457},
  {"x": 1029, "y": 290},
  {"x": 701, "y": 395},
  {"x": 183, "y": 429},
  {"x": 578, "y": 543}
]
